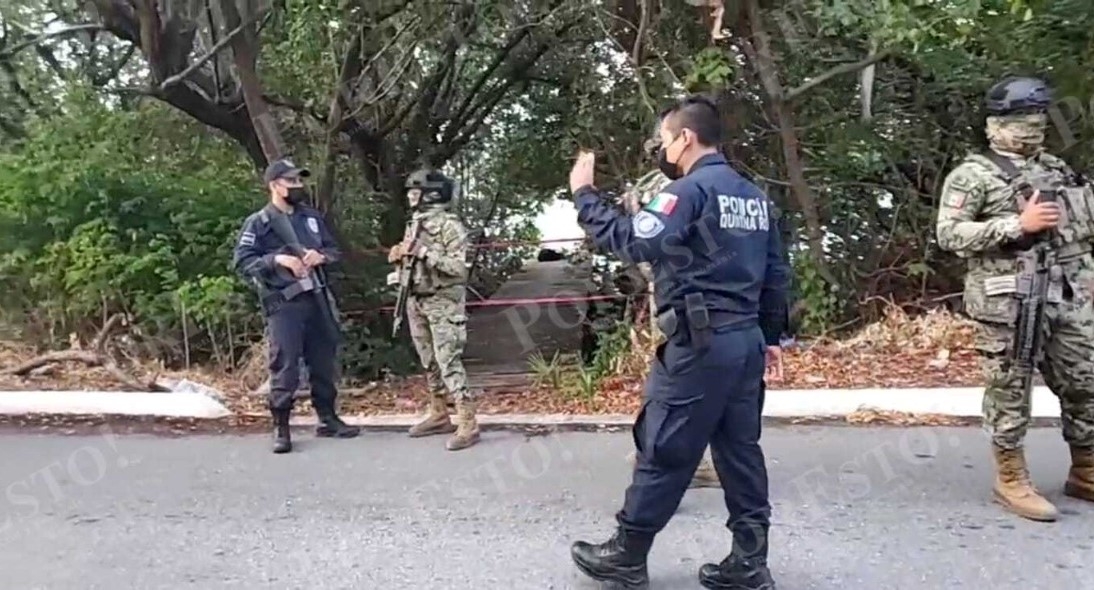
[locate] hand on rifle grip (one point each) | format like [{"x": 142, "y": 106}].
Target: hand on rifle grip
[
  {"x": 1039, "y": 216},
  {"x": 294, "y": 264}
]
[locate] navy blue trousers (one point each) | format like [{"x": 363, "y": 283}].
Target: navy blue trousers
[
  {"x": 692, "y": 399},
  {"x": 301, "y": 327}
]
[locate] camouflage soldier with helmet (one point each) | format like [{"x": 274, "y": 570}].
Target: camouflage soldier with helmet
[
  {"x": 986, "y": 218},
  {"x": 436, "y": 308}
]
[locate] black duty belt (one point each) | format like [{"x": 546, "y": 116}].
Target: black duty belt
[
  {"x": 697, "y": 321},
  {"x": 273, "y": 299},
  {"x": 305, "y": 285}
]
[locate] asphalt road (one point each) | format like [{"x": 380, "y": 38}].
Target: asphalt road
[{"x": 855, "y": 508}]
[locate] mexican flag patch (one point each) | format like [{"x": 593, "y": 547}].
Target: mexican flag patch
[{"x": 663, "y": 203}]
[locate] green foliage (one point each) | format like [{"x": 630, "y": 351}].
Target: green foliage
[
  {"x": 822, "y": 304},
  {"x": 612, "y": 349},
  {"x": 712, "y": 69},
  {"x": 97, "y": 217},
  {"x": 577, "y": 380},
  {"x": 547, "y": 374}
]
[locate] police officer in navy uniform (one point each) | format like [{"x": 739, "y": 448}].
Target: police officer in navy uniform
[
  {"x": 721, "y": 285},
  {"x": 300, "y": 313}
]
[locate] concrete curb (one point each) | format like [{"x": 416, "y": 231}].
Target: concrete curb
[
  {"x": 963, "y": 402},
  {"x": 780, "y": 404},
  {"x": 123, "y": 403}
]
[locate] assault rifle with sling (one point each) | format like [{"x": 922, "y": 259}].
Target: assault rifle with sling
[
  {"x": 406, "y": 277},
  {"x": 1034, "y": 282},
  {"x": 316, "y": 279},
  {"x": 1036, "y": 286}
]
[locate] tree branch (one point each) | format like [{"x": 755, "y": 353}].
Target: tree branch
[
  {"x": 462, "y": 114},
  {"x": 399, "y": 116},
  {"x": 848, "y": 68},
  {"x": 295, "y": 106},
  {"x": 394, "y": 10},
  {"x": 116, "y": 68},
  {"x": 367, "y": 66},
  {"x": 17, "y": 88},
  {"x": 220, "y": 45},
  {"x": 42, "y": 37}
]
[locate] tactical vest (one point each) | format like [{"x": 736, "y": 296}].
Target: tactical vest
[
  {"x": 427, "y": 280},
  {"x": 992, "y": 279},
  {"x": 1074, "y": 194}
]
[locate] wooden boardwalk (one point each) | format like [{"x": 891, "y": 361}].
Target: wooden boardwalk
[{"x": 502, "y": 339}]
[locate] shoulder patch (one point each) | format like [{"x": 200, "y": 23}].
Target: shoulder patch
[
  {"x": 646, "y": 225},
  {"x": 663, "y": 203},
  {"x": 313, "y": 225},
  {"x": 247, "y": 238},
  {"x": 963, "y": 181}
]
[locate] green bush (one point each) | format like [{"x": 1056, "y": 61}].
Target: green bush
[{"x": 105, "y": 212}]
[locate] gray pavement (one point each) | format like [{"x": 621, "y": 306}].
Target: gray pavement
[
  {"x": 502, "y": 339},
  {"x": 855, "y": 508}
]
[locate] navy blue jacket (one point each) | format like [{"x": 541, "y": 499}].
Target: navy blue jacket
[
  {"x": 711, "y": 232},
  {"x": 258, "y": 244}
]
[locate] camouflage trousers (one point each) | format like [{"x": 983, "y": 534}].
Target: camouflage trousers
[
  {"x": 438, "y": 326},
  {"x": 1068, "y": 370}
]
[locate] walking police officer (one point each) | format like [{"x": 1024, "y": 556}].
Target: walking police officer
[
  {"x": 719, "y": 276},
  {"x": 282, "y": 250},
  {"x": 647, "y": 187}
]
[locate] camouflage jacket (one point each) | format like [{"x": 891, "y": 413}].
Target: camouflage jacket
[
  {"x": 978, "y": 221},
  {"x": 601, "y": 275},
  {"x": 643, "y": 191},
  {"x": 443, "y": 239}
]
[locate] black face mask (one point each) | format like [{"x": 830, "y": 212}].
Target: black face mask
[
  {"x": 667, "y": 168},
  {"x": 298, "y": 195}
]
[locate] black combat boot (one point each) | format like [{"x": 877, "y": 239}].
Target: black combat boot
[
  {"x": 620, "y": 561},
  {"x": 737, "y": 573},
  {"x": 282, "y": 438},
  {"x": 333, "y": 427}
]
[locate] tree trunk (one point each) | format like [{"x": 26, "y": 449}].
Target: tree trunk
[
  {"x": 762, "y": 58},
  {"x": 244, "y": 57}
]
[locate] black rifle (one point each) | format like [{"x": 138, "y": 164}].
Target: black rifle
[
  {"x": 316, "y": 279},
  {"x": 1034, "y": 281},
  {"x": 406, "y": 277}
]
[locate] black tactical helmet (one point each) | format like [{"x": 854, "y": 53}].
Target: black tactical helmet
[
  {"x": 1018, "y": 95},
  {"x": 436, "y": 187}
]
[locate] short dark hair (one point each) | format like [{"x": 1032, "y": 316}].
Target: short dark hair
[{"x": 698, "y": 113}]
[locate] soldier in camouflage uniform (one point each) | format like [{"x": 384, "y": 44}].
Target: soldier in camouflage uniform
[
  {"x": 985, "y": 218},
  {"x": 435, "y": 311}
]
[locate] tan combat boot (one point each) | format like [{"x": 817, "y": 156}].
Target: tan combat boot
[
  {"x": 1014, "y": 490},
  {"x": 467, "y": 428},
  {"x": 1080, "y": 480},
  {"x": 436, "y": 421},
  {"x": 705, "y": 476}
]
